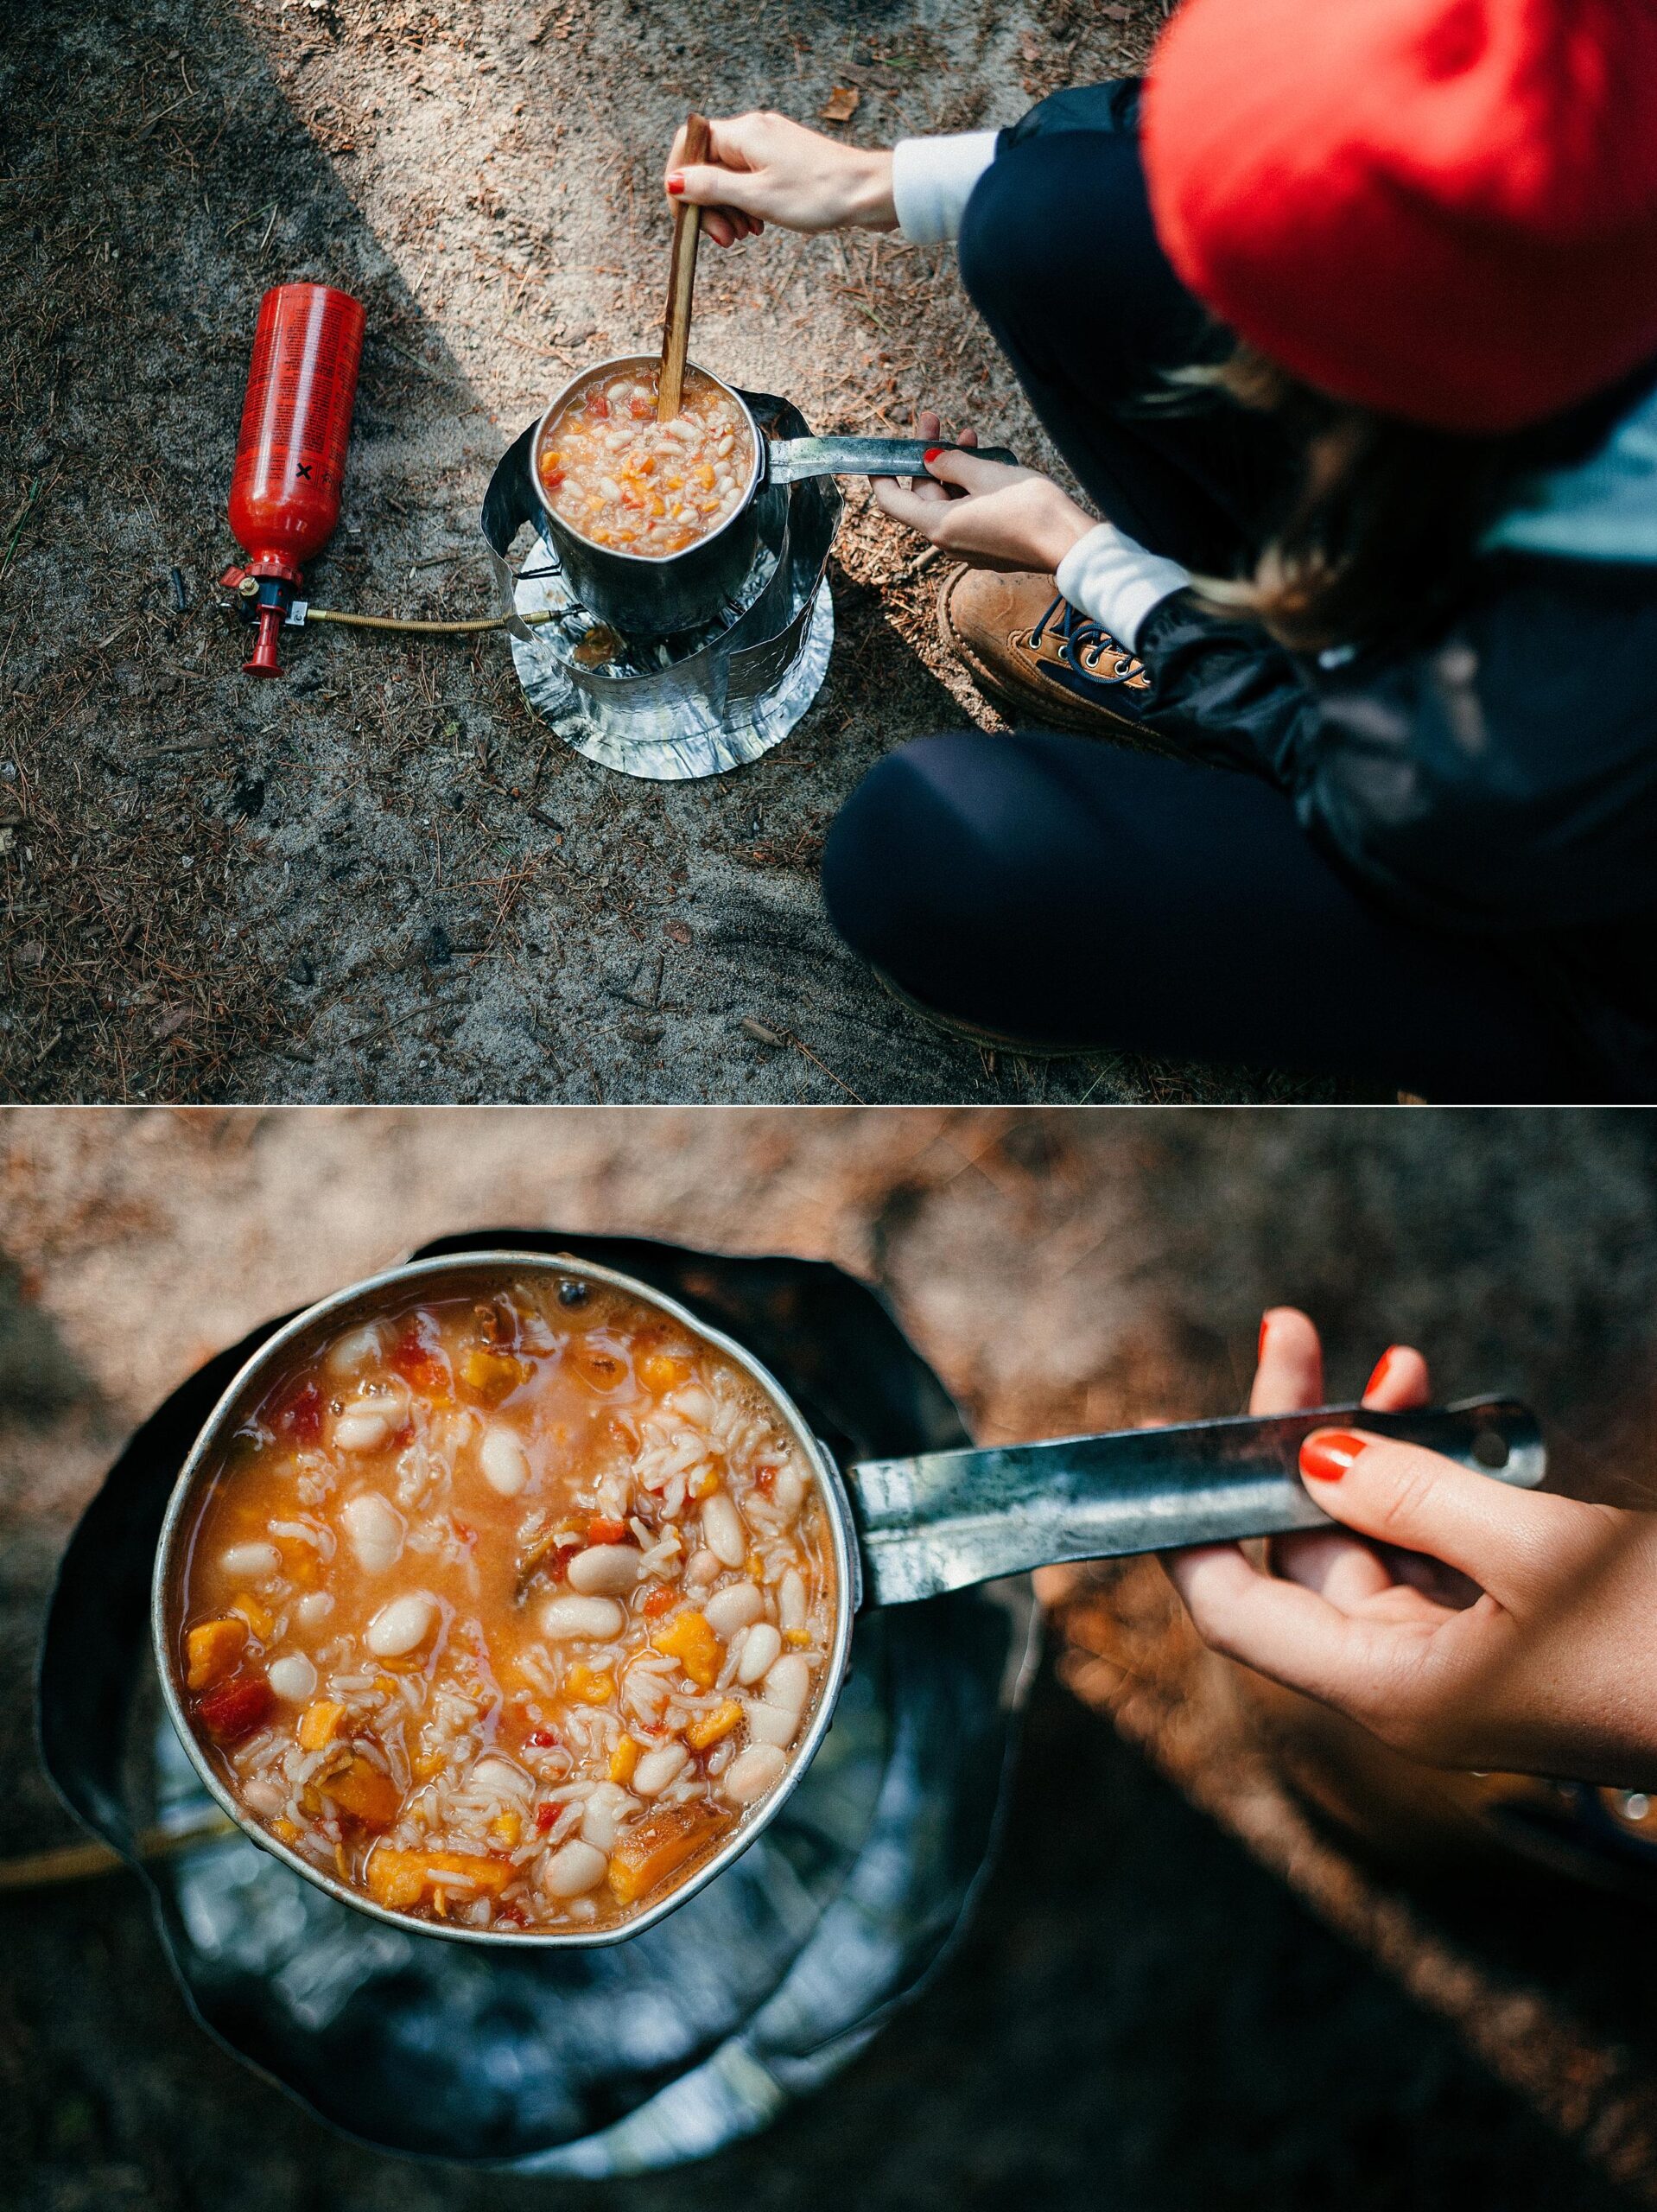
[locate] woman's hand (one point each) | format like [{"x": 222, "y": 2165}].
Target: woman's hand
[
  {"x": 990, "y": 515},
  {"x": 766, "y": 169},
  {"x": 1543, "y": 1660}
]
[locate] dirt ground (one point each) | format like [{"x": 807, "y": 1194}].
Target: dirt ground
[
  {"x": 1178, "y": 1989},
  {"x": 382, "y": 878}
]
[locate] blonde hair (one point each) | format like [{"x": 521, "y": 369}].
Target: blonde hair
[{"x": 1383, "y": 520}]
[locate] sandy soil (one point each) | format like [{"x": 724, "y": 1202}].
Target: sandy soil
[
  {"x": 380, "y": 878},
  {"x": 1179, "y": 1991}
]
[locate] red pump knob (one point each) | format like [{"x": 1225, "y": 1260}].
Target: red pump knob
[{"x": 290, "y": 459}]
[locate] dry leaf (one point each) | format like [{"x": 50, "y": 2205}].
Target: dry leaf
[{"x": 842, "y": 104}]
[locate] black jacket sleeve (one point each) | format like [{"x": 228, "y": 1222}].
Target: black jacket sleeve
[{"x": 1500, "y": 777}]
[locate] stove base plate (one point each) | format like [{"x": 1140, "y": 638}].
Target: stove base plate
[{"x": 666, "y": 742}]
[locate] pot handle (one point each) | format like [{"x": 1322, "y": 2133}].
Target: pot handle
[
  {"x": 509, "y": 503},
  {"x": 791, "y": 460},
  {"x": 947, "y": 1519}
]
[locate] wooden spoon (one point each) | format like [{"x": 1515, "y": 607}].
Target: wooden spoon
[{"x": 682, "y": 277}]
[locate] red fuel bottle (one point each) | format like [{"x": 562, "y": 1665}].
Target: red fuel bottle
[{"x": 290, "y": 460}]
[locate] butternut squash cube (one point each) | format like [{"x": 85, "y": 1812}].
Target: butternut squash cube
[
  {"x": 400, "y": 1879},
  {"x": 259, "y": 1617},
  {"x": 320, "y": 1723},
  {"x": 646, "y": 1854},
  {"x": 588, "y": 1686},
  {"x": 689, "y": 1638},
  {"x": 364, "y": 1794},
  {"x": 708, "y": 1727},
  {"x": 212, "y": 1651}
]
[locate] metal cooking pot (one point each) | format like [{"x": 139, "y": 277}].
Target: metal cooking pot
[
  {"x": 647, "y": 596},
  {"x": 899, "y": 1529}
]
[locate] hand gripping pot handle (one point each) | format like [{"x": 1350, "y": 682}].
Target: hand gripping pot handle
[{"x": 947, "y": 1519}]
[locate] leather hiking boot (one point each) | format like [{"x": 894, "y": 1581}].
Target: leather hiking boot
[{"x": 1039, "y": 658}]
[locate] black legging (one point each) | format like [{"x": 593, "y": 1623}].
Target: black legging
[{"x": 1071, "y": 893}]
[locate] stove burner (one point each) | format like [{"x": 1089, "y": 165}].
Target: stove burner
[
  {"x": 685, "y": 2037},
  {"x": 701, "y": 701}
]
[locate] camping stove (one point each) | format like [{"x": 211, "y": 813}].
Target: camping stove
[
  {"x": 692, "y": 2033},
  {"x": 700, "y": 701}
]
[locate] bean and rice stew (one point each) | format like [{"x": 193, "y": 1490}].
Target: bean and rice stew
[
  {"x": 508, "y": 1612},
  {"x": 622, "y": 478}
]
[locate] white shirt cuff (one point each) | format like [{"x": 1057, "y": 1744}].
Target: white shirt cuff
[
  {"x": 932, "y": 181},
  {"x": 1117, "y": 583}
]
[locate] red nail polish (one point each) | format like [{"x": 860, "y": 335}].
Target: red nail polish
[
  {"x": 675, "y": 184},
  {"x": 1259, "y": 1349},
  {"x": 1382, "y": 1365},
  {"x": 1327, "y": 1453},
  {"x": 932, "y": 453}
]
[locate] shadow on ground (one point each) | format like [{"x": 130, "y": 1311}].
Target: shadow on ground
[
  {"x": 380, "y": 877},
  {"x": 1143, "y": 2019}
]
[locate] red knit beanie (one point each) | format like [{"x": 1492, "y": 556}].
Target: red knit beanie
[{"x": 1443, "y": 209}]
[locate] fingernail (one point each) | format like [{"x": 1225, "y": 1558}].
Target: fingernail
[
  {"x": 1327, "y": 1453},
  {"x": 932, "y": 453},
  {"x": 1259, "y": 1349},
  {"x": 1382, "y": 1367},
  {"x": 676, "y": 183}
]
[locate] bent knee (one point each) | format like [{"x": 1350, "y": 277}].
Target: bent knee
[{"x": 888, "y": 858}]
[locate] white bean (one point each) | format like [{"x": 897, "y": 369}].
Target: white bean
[
  {"x": 722, "y": 1531},
  {"x": 790, "y": 1601},
  {"x": 293, "y": 1677},
  {"x": 363, "y": 1428},
  {"x": 354, "y": 1350},
  {"x": 251, "y": 1562},
  {"x": 752, "y": 1773},
  {"x": 702, "y": 1567},
  {"x": 594, "y": 1618},
  {"x": 402, "y": 1625},
  {"x": 772, "y": 1724},
  {"x": 573, "y": 1869},
  {"x": 603, "y": 1814},
  {"x": 263, "y": 1796},
  {"x": 658, "y": 1771},
  {"x": 760, "y": 1647},
  {"x": 500, "y": 1776},
  {"x": 788, "y": 1492},
  {"x": 732, "y": 1608},
  {"x": 311, "y": 1611},
  {"x": 374, "y": 1530},
  {"x": 789, "y": 1682},
  {"x": 505, "y": 1462},
  {"x": 604, "y": 1570}
]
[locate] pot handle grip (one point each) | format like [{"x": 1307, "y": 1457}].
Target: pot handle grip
[{"x": 947, "y": 1519}]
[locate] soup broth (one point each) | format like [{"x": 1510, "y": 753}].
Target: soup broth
[
  {"x": 508, "y": 1612},
  {"x": 624, "y": 480}
]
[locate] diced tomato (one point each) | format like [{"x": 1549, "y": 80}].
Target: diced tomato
[
  {"x": 510, "y": 1916},
  {"x": 543, "y": 1739},
  {"x": 464, "y": 1531},
  {"x": 552, "y": 478},
  {"x": 602, "y": 1531},
  {"x": 544, "y": 1817},
  {"x": 418, "y": 1361},
  {"x": 763, "y": 1478},
  {"x": 638, "y": 409},
  {"x": 301, "y": 1417},
  {"x": 235, "y": 1708},
  {"x": 659, "y": 1603},
  {"x": 596, "y": 404}
]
